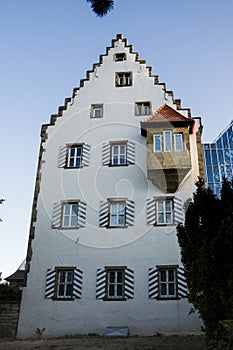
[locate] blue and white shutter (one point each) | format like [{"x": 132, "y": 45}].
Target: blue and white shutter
[
  {"x": 62, "y": 156},
  {"x": 106, "y": 156},
  {"x": 129, "y": 213},
  {"x": 86, "y": 154},
  {"x": 104, "y": 217},
  {"x": 130, "y": 152},
  {"x": 181, "y": 280},
  {"x": 50, "y": 284},
  {"x": 56, "y": 219},
  {"x": 77, "y": 285},
  {"x": 82, "y": 207},
  {"x": 101, "y": 283},
  {"x": 178, "y": 211},
  {"x": 153, "y": 283},
  {"x": 151, "y": 211},
  {"x": 129, "y": 283}
]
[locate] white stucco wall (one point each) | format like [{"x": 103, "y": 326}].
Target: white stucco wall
[{"x": 138, "y": 247}]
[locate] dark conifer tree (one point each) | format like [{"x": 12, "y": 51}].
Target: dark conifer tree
[{"x": 101, "y": 7}]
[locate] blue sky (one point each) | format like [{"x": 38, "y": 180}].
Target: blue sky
[{"x": 48, "y": 45}]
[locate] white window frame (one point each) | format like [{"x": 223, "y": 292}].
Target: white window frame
[
  {"x": 178, "y": 142},
  {"x": 97, "y": 111},
  {"x": 167, "y": 141},
  {"x": 143, "y": 108},
  {"x": 116, "y": 212},
  {"x": 68, "y": 214},
  {"x": 164, "y": 212},
  {"x": 118, "y": 156},
  {"x": 123, "y": 79},
  {"x": 67, "y": 283},
  {"x": 115, "y": 283},
  {"x": 159, "y": 136},
  {"x": 167, "y": 282},
  {"x": 77, "y": 158}
]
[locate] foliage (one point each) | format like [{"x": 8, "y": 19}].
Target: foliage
[
  {"x": 206, "y": 242},
  {"x": 101, "y": 7},
  {"x": 10, "y": 293}
]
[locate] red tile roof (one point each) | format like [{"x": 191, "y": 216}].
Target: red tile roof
[{"x": 166, "y": 114}]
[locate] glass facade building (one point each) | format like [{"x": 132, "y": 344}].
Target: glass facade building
[{"x": 218, "y": 159}]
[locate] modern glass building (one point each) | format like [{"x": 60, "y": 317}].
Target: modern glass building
[{"x": 218, "y": 159}]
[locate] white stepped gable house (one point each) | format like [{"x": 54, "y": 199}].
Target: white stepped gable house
[{"x": 116, "y": 165}]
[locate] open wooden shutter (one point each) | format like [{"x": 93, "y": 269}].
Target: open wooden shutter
[
  {"x": 56, "y": 219},
  {"x": 178, "y": 211},
  {"x": 82, "y": 207},
  {"x": 78, "y": 281},
  {"x": 153, "y": 284},
  {"x": 106, "y": 156},
  {"x": 129, "y": 219},
  {"x": 50, "y": 283},
  {"x": 86, "y": 155},
  {"x": 101, "y": 283},
  {"x": 62, "y": 156},
  {"x": 151, "y": 211},
  {"x": 130, "y": 152},
  {"x": 182, "y": 286},
  {"x": 129, "y": 283},
  {"x": 103, "y": 220}
]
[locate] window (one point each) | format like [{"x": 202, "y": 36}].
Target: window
[
  {"x": 65, "y": 284},
  {"x": 70, "y": 215},
  {"x": 119, "y": 57},
  {"x": 115, "y": 284},
  {"x": 142, "y": 108},
  {"x": 75, "y": 156},
  {"x": 118, "y": 154},
  {"x": 167, "y": 282},
  {"x": 123, "y": 79},
  {"x": 167, "y": 141},
  {"x": 97, "y": 111},
  {"x": 117, "y": 214},
  {"x": 178, "y": 142},
  {"x": 157, "y": 143},
  {"x": 164, "y": 212}
]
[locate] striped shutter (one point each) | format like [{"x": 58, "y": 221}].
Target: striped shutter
[
  {"x": 153, "y": 284},
  {"x": 130, "y": 152},
  {"x": 50, "y": 283},
  {"x": 86, "y": 155},
  {"x": 62, "y": 156},
  {"x": 100, "y": 283},
  {"x": 129, "y": 219},
  {"x": 178, "y": 211},
  {"x": 82, "y": 207},
  {"x": 129, "y": 283},
  {"x": 56, "y": 219},
  {"x": 78, "y": 281},
  {"x": 182, "y": 286},
  {"x": 106, "y": 148},
  {"x": 103, "y": 221},
  {"x": 151, "y": 211}
]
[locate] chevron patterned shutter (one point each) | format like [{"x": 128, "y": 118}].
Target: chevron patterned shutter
[
  {"x": 106, "y": 154},
  {"x": 129, "y": 220},
  {"x": 103, "y": 222},
  {"x": 151, "y": 211},
  {"x": 178, "y": 211},
  {"x": 153, "y": 283},
  {"x": 182, "y": 286},
  {"x": 129, "y": 283},
  {"x": 62, "y": 156},
  {"x": 130, "y": 152},
  {"x": 50, "y": 283},
  {"x": 86, "y": 155},
  {"x": 100, "y": 283},
  {"x": 78, "y": 281},
  {"x": 56, "y": 219},
  {"x": 82, "y": 207}
]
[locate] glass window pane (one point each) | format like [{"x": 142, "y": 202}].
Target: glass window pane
[
  {"x": 207, "y": 157},
  {"x": 171, "y": 275},
  {"x": 73, "y": 221},
  {"x": 121, "y": 220},
  {"x": 61, "y": 290},
  {"x": 119, "y": 290},
  {"x": 163, "y": 289},
  {"x": 227, "y": 156},
  {"x": 220, "y": 157},
  {"x": 171, "y": 288},
  {"x": 111, "y": 290},
  {"x": 214, "y": 157},
  {"x": 230, "y": 136},
  {"x": 72, "y": 151},
  {"x": 219, "y": 143},
  {"x": 69, "y": 276},
  {"x": 66, "y": 221},
  {"x": 112, "y": 276},
  {"x": 71, "y": 162},
  {"x": 178, "y": 142},
  {"x": 163, "y": 276},
  {"x": 167, "y": 141},
  {"x": 168, "y": 218},
  {"x": 161, "y": 218},
  {"x": 168, "y": 205},
  {"x": 209, "y": 174},
  {"x": 119, "y": 276},
  {"x": 74, "y": 209},
  {"x": 157, "y": 143},
  {"x": 229, "y": 172},
  {"x": 69, "y": 290},
  {"x": 78, "y": 162},
  {"x": 224, "y": 140},
  {"x": 216, "y": 174},
  {"x": 160, "y": 206}
]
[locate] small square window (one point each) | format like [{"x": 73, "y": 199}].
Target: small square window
[
  {"x": 167, "y": 282},
  {"x": 120, "y": 57},
  {"x": 142, "y": 108},
  {"x": 123, "y": 79},
  {"x": 97, "y": 111}
]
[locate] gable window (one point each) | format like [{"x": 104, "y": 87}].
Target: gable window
[
  {"x": 117, "y": 214},
  {"x": 118, "y": 154},
  {"x": 115, "y": 284},
  {"x": 167, "y": 282},
  {"x": 123, "y": 79},
  {"x": 121, "y": 56},
  {"x": 142, "y": 108},
  {"x": 75, "y": 156},
  {"x": 70, "y": 215},
  {"x": 157, "y": 143},
  {"x": 65, "y": 283},
  {"x": 178, "y": 142},
  {"x": 164, "y": 212},
  {"x": 97, "y": 111}
]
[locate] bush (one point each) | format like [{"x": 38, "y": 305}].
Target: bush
[{"x": 10, "y": 293}]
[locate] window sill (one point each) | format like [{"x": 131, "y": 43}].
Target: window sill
[
  {"x": 63, "y": 299},
  {"x": 73, "y": 167},
  {"x": 114, "y": 299},
  {"x": 125, "y": 226},
  {"x": 67, "y": 228},
  {"x": 117, "y": 165},
  {"x": 167, "y": 298}
]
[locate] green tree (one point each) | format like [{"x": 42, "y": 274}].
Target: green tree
[
  {"x": 206, "y": 242},
  {"x": 101, "y": 7},
  {"x": 10, "y": 293}
]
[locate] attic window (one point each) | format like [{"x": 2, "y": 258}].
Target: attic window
[
  {"x": 97, "y": 111},
  {"x": 123, "y": 79},
  {"x": 119, "y": 57}
]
